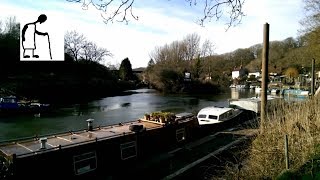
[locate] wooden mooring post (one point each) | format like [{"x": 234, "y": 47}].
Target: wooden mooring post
[
  {"x": 312, "y": 78},
  {"x": 286, "y": 151},
  {"x": 265, "y": 77}
]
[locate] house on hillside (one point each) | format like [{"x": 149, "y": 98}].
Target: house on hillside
[{"x": 239, "y": 72}]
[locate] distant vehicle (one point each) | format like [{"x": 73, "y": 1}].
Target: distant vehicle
[{"x": 213, "y": 114}]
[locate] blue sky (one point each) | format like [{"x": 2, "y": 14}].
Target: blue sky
[{"x": 164, "y": 21}]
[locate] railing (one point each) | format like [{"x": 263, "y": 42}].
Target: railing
[{"x": 72, "y": 144}]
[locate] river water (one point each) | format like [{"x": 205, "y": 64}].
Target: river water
[{"x": 110, "y": 110}]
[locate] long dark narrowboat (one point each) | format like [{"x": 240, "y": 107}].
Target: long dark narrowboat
[{"x": 95, "y": 152}]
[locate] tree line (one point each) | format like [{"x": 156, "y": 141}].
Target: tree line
[
  {"x": 79, "y": 78},
  {"x": 168, "y": 63}
]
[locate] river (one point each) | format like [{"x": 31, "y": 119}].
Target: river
[{"x": 110, "y": 110}]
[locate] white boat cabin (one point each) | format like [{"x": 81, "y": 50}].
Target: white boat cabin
[{"x": 213, "y": 114}]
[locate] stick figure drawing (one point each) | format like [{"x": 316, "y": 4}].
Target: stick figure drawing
[{"x": 29, "y": 32}]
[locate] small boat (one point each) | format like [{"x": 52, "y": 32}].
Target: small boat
[
  {"x": 10, "y": 105},
  {"x": 242, "y": 86},
  {"x": 295, "y": 92},
  {"x": 253, "y": 103},
  {"x": 252, "y": 86},
  {"x": 213, "y": 115},
  {"x": 275, "y": 91},
  {"x": 257, "y": 89},
  {"x": 232, "y": 86}
]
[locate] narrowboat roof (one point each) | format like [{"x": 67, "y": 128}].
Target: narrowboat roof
[
  {"x": 30, "y": 146},
  {"x": 213, "y": 110}
]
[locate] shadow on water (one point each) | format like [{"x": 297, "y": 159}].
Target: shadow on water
[{"x": 125, "y": 104}]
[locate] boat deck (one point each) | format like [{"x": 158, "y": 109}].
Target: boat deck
[{"x": 57, "y": 141}]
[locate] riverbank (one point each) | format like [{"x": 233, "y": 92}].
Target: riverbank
[
  {"x": 265, "y": 156},
  {"x": 110, "y": 110}
]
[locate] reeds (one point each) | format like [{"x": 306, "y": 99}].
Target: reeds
[{"x": 265, "y": 158}]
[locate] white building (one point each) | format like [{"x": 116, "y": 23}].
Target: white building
[{"x": 235, "y": 74}]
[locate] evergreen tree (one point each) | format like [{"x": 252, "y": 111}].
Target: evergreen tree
[{"x": 125, "y": 70}]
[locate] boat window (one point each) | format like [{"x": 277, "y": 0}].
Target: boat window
[
  {"x": 202, "y": 116},
  {"x": 128, "y": 150},
  {"x": 84, "y": 163},
  {"x": 180, "y": 134},
  {"x": 213, "y": 117}
]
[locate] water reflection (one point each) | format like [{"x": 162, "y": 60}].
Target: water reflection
[
  {"x": 242, "y": 93},
  {"x": 112, "y": 110}
]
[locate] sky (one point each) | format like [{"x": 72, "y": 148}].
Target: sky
[{"x": 162, "y": 22}]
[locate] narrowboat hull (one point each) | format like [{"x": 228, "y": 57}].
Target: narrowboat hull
[{"x": 100, "y": 153}]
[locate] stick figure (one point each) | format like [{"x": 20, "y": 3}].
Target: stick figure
[{"x": 30, "y": 30}]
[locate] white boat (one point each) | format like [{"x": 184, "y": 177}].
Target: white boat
[
  {"x": 242, "y": 86},
  {"x": 257, "y": 89},
  {"x": 274, "y": 91},
  {"x": 252, "y": 87},
  {"x": 213, "y": 114},
  {"x": 253, "y": 103}
]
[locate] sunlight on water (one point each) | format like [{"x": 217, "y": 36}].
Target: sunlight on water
[{"x": 110, "y": 110}]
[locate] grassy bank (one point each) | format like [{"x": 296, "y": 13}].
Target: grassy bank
[{"x": 265, "y": 158}]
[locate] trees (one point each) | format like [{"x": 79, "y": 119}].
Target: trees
[
  {"x": 291, "y": 72},
  {"x": 192, "y": 45},
  {"x": 311, "y": 22},
  {"x": 9, "y": 43},
  {"x": 125, "y": 70},
  {"x": 312, "y": 19},
  {"x": 151, "y": 63},
  {"x": 121, "y": 11},
  {"x": 78, "y": 47},
  {"x": 207, "y": 48},
  {"x": 186, "y": 49}
]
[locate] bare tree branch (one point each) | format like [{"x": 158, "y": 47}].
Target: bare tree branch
[
  {"x": 311, "y": 21},
  {"x": 112, "y": 10},
  {"x": 78, "y": 47},
  {"x": 121, "y": 10},
  {"x": 73, "y": 44},
  {"x": 207, "y": 48}
]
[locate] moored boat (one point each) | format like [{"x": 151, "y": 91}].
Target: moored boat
[
  {"x": 257, "y": 89},
  {"x": 10, "y": 105},
  {"x": 213, "y": 115},
  {"x": 295, "y": 92},
  {"x": 253, "y": 103},
  {"x": 95, "y": 152}
]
